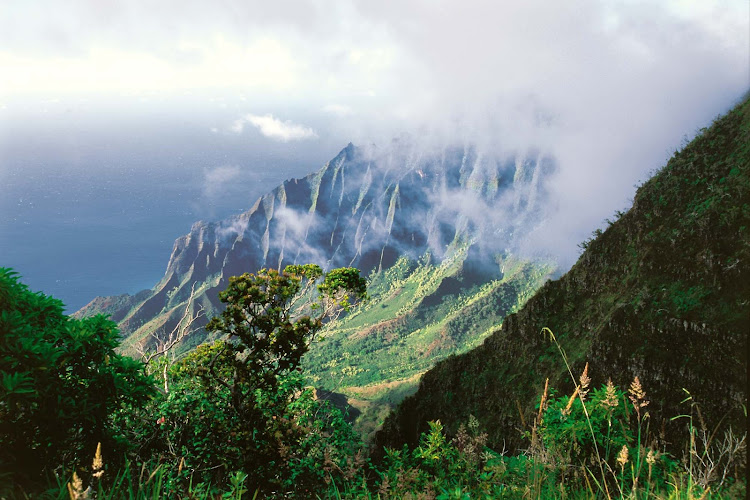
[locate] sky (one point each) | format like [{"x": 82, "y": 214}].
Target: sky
[{"x": 247, "y": 93}]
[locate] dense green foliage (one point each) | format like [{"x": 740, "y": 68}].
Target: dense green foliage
[
  {"x": 582, "y": 445},
  {"x": 201, "y": 440},
  {"x": 239, "y": 404},
  {"x": 61, "y": 381},
  {"x": 235, "y": 408}
]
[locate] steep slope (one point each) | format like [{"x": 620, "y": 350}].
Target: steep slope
[
  {"x": 419, "y": 313},
  {"x": 369, "y": 209},
  {"x": 662, "y": 294}
]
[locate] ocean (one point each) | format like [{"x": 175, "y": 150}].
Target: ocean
[{"x": 90, "y": 209}]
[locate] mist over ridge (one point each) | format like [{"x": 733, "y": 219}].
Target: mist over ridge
[
  {"x": 606, "y": 89},
  {"x": 366, "y": 208}
]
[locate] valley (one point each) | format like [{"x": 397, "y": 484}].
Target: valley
[
  {"x": 442, "y": 272},
  {"x": 478, "y": 371}
]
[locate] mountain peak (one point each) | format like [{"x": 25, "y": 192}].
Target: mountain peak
[{"x": 352, "y": 212}]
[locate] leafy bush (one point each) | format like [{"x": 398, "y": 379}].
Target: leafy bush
[{"x": 60, "y": 382}]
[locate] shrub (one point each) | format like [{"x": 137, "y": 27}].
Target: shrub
[{"x": 60, "y": 382}]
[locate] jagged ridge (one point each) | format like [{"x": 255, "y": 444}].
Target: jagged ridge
[{"x": 363, "y": 209}]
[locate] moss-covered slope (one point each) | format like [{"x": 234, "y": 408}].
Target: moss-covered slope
[{"x": 662, "y": 294}]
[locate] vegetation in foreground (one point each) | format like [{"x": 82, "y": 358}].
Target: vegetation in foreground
[{"x": 234, "y": 419}]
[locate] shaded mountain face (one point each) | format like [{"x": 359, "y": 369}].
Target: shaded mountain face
[
  {"x": 363, "y": 209},
  {"x": 662, "y": 294}
]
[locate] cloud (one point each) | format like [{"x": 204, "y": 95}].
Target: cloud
[
  {"x": 273, "y": 128},
  {"x": 238, "y": 126},
  {"x": 296, "y": 224},
  {"x": 606, "y": 88},
  {"x": 337, "y": 109},
  {"x": 233, "y": 226},
  {"x": 215, "y": 180},
  {"x": 294, "y": 221}
]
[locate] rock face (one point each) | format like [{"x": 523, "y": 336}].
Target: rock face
[
  {"x": 662, "y": 294},
  {"x": 362, "y": 209}
]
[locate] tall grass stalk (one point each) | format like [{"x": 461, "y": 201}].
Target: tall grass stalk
[{"x": 546, "y": 330}]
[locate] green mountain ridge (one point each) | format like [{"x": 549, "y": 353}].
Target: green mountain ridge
[
  {"x": 662, "y": 294},
  {"x": 364, "y": 208}
]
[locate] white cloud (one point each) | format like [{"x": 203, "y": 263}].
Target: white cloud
[
  {"x": 273, "y": 128},
  {"x": 215, "y": 179},
  {"x": 296, "y": 225},
  {"x": 233, "y": 226},
  {"x": 238, "y": 126},
  {"x": 608, "y": 88},
  {"x": 337, "y": 109}
]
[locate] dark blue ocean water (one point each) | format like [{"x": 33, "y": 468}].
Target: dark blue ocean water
[
  {"x": 90, "y": 208},
  {"x": 76, "y": 236}
]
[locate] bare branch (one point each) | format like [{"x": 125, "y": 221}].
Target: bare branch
[
  {"x": 182, "y": 329},
  {"x": 303, "y": 294}
]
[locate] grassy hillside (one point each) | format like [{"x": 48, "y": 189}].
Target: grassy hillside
[
  {"x": 663, "y": 294},
  {"x": 419, "y": 313}
]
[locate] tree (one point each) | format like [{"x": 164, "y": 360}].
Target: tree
[
  {"x": 249, "y": 410},
  {"x": 274, "y": 316}
]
